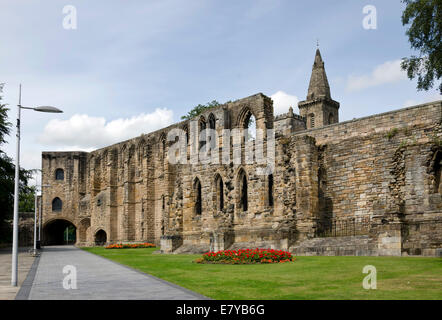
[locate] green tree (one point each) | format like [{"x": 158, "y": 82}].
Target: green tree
[
  {"x": 4, "y": 124},
  {"x": 7, "y": 176},
  {"x": 27, "y": 199},
  {"x": 196, "y": 111},
  {"x": 424, "y": 35}
]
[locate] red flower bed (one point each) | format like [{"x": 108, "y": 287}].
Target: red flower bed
[
  {"x": 130, "y": 246},
  {"x": 247, "y": 256}
]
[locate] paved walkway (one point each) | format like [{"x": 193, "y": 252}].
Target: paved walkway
[
  {"x": 97, "y": 278},
  {"x": 25, "y": 260}
]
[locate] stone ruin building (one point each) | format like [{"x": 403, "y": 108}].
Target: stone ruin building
[{"x": 369, "y": 186}]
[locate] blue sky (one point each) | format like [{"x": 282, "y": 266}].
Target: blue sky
[{"x": 131, "y": 67}]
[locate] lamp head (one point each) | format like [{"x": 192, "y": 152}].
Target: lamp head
[{"x": 48, "y": 109}]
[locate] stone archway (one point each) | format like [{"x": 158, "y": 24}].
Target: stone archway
[
  {"x": 59, "y": 232},
  {"x": 100, "y": 237}
]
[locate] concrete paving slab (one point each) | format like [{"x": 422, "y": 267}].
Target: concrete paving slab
[
  {"x": 25, "y": 260},
  {"x": 97, "y": 279}
]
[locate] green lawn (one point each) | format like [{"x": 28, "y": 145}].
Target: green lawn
[{"x": 306, "y": 278}]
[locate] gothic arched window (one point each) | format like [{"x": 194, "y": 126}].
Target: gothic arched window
[
  {"x": 57, "y": 204},
  {"x": 59, "y": 174},
  {"x": 186, "y": 136},
  {"x": 270, "y": 190},
  {"x": 212, "y": 127},
  {"x": 202, "y": 133},
  {"x": 212, "y": 121},
  {"x": 243, "y": 191},
  {"x": 250, "y": 126},
  {"x": 219, "y": 194},
  {"x": 198, "y": 197}
]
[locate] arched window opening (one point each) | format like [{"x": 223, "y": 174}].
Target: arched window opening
[
  {"x": 212, "y": 127},
  {"x": 270, "y": 190},
  {"x": 187, "y": 141},
  {"x": 198, "y": 197},
  {"x": 250, "y": 126},
  {"x": 57, "y": 204},
  {"x": 219, "y": 193},
  {"x": 100, "y": 238},
  {"x": 202, "y": 127},
  {"x": 186, "y": 134},
  {"x": 212, "y": 121},
  {"x": 244, "y": 202},
  {"x": 312, "y": 120},
  {"x": 331, "y": 118},
  {"x": 59, "y": 174}
]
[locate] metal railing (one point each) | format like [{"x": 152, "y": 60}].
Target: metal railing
[{"x": 342, "y": 227}]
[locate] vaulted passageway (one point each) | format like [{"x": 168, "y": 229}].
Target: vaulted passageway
[{"x": 59, "y": 232}]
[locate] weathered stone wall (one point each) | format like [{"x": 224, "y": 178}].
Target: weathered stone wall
[
  {"x": 26, "y": 229},
  {"x": 70, "y": 190},
  {"x": 374, "y": 180},
  {"x": 287, "y": 123},
  {"x": 381, "y": 169}
]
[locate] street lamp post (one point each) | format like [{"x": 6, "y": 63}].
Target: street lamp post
[
  {"x": 16, "y": 195},
  {"x": 35, "y": 221},
  {"x": 39, "y": 219},
  {"x": 35, "y": 211}
]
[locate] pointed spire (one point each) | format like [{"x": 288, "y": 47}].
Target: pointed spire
[{"x": 319, "y": 86}]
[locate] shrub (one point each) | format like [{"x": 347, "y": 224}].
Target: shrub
[
  {"x": 403, "y": 144},
  {"x": 130, "y": 246},
  {"x": 247, "y": 256},
  {"x": 392, "y": 133}
]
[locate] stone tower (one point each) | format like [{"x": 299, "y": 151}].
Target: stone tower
[{"x": 319, "y": 109}]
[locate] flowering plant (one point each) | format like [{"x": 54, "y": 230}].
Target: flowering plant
[
  {"x": 247, "y": 256},
  {"x": 130, "y": 246}
]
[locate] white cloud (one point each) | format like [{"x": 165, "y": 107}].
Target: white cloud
[
  {"x": 283, "y": 101},
  {"x": 388, "y": 72},
  {"x": 82, "y": 132}
]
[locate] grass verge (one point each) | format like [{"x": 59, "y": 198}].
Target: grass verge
[{"x": 306, "y": 278}]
